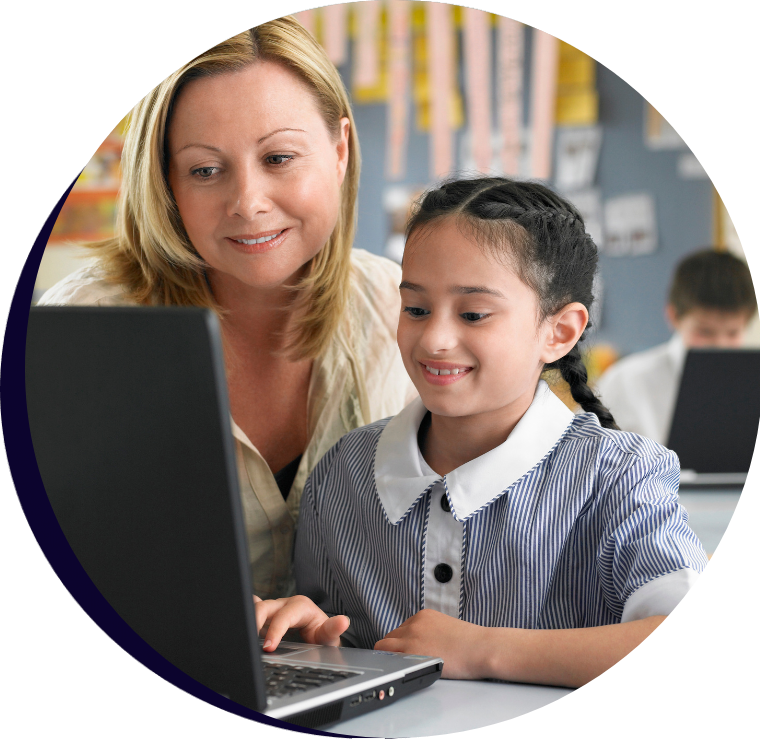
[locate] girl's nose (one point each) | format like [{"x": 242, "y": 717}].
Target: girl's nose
[
  {"x": 249, "y": 197},
  {"x": 439, "y": 335}
]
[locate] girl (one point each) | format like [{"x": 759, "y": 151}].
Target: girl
[{"x": 487, "y": 524}]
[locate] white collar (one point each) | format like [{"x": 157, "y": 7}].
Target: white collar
[
  {"x": 677, "y": 352},
  {"x": 400, "y": 479}
]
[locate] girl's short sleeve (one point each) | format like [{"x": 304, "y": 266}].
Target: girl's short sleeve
[{"x": 648, "y": 557}]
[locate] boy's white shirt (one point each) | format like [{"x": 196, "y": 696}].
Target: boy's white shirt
[
  {"x": 640, "y": 390},
  {"x": 402, "y": 476}
]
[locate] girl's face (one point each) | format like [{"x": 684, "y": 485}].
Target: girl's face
[
  {"x": 469, "y": 331},
  {"x": 255, "y": 173}
]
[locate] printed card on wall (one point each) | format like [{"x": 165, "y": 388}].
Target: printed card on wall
[
  {"x": 658, "y": 133},
  {"x": 397, "y": 203},
  {"x": 589, "y": 205},
  {"x": 440, "y": 42},
  {"x": 335, "y": 32},
  {"x": 577, "y": 157},
  {"x": 630, "y": 226}
]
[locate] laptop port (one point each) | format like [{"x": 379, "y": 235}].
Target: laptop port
[
  {"x": 355, "y": 701},
  {"x": 369, "y": 696}
]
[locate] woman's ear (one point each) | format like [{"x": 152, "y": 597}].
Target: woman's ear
[
  {"x": 563, "y": 330},
  {"x": 342, "y": 148}
]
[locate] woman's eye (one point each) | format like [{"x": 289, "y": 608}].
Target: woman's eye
[
  {"x": 205, "y": 173},
  {"x": 472, "y": 317},
  {"x": 279, "y": 159},
  {"x": 415, "y": 312}
]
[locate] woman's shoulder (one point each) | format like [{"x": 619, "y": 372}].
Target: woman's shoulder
[
  {"x": 86, "y": 286},
  {"x": 376, "y": 278},
  {"x": 375, "y": 294}
]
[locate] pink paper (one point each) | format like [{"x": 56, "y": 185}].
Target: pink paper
[
  {"x": 477, "y": 50},
  {"x": 510, "y": 84},
  {"x": 334, "y": 32},
  {"x": 308, "y": 19},
  {"x": 440, "y": 73},
  {"x": 543, "y": 102},
  {"x": 366, "y": 66},
  {"x": 398, "y": 88}
]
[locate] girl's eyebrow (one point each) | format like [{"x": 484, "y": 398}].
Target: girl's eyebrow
[{"x": 457, "y": 289}]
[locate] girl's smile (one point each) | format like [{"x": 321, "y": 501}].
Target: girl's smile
[{"x": 443, "y": 373}]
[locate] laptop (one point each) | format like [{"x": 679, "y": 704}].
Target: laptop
[
  {"x": 130, "y": 423},
  {"x": 716, "y": 416}
]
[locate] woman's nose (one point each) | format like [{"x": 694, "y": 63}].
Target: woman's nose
[{"x": 249, "y": 196}]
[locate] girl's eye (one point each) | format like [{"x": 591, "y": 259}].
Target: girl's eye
[
  {"x": 415, "y": 312},
  {"x": 473, "y": 317},
  {"x": 279, "y": 159},
  {"x": 205, "y": 173}
]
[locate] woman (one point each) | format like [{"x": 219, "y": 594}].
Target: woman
[{"x": 240, "y": 177}]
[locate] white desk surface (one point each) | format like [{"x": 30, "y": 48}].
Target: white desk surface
[
  {"x": 457, "y": 705},
  {"x": 451, "y": 705},
  {"x": 709, "y": 512}
]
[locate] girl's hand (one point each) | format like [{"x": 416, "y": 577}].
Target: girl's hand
[
  {"x": 434, "y": 634},
  {"x": 275, "y": 617}
]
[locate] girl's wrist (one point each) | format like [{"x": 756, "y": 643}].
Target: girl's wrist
[{"x": 503, "y": 654}]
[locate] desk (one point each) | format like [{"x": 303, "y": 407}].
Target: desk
[
  {"x": 451, "y": 705},
  {"x": 457, "y": 705},
  {"x": 710, "y": 512}
]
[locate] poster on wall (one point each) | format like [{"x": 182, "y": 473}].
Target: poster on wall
[
  {"x": 397, "y": 203},
  {"x": 589, "y": 205},
  {"x": 577, "y": 156},
  {"x": 630, "y": 226}
]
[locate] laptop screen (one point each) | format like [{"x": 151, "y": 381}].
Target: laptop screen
[
  {"x": 130, "y": 423},
  {"x": 715, "y": 422}
]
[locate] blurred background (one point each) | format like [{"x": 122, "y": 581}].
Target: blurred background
[{"x": 439, "y": 89}]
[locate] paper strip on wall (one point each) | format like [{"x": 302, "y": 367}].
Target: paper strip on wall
[
  {"x": 510, "y": 92},
  {"x": 477, "y": 52},
  {"x": 543, "y": 100},
  {"x": 399, "y": 35}
]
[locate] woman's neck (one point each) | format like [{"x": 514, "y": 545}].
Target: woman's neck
[{"x": 257, "y": 317}]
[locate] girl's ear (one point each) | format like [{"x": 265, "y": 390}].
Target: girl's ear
[{"x": 563, "y": 330}]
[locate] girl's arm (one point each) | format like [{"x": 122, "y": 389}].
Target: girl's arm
[{"x": 567, "y": 657}]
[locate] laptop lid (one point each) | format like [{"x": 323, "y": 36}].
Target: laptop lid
[
  {"x": 130, "y": 424},
  {"x": 129, "y": 419},
  {"x": 715, "y": 422}
]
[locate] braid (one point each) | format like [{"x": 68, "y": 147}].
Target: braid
[{"x": 573, "y": 371}]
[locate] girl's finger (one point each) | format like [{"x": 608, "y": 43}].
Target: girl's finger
[
  {"x": 293, "y": 615},
  {"x": 329, "y": 632},
  {"x": 389, "y": 645}
]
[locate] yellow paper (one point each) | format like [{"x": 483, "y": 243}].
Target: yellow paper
[{"x": 580, "y": 108}]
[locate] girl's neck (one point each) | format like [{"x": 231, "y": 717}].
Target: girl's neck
[{"x": 449, "y": 442}]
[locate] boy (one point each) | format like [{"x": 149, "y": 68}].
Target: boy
[{"x": 711, "y": 302}]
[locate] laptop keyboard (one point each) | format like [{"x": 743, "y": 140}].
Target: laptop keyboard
[{"x": 282, "y": 679}]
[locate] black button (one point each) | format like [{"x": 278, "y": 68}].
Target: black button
[
  {"x": 443, "y": 573},
  {"x": 445, "y": 503}
]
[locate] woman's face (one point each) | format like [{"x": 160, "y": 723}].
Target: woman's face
[{"x": 256, "y": 174}]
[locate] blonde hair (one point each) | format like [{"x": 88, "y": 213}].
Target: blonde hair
[{"x": 151, "y": 255}]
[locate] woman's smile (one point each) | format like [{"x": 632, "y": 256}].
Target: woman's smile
[{"x": 258, "y": 244}]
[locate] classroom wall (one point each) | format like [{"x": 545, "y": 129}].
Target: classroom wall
[{"x": 634, "y": 288}]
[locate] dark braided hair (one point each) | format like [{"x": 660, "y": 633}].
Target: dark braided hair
[{"x": 542, "y": 237}]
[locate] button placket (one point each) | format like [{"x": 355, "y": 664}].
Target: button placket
[{"x": 443, "y": 553}]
